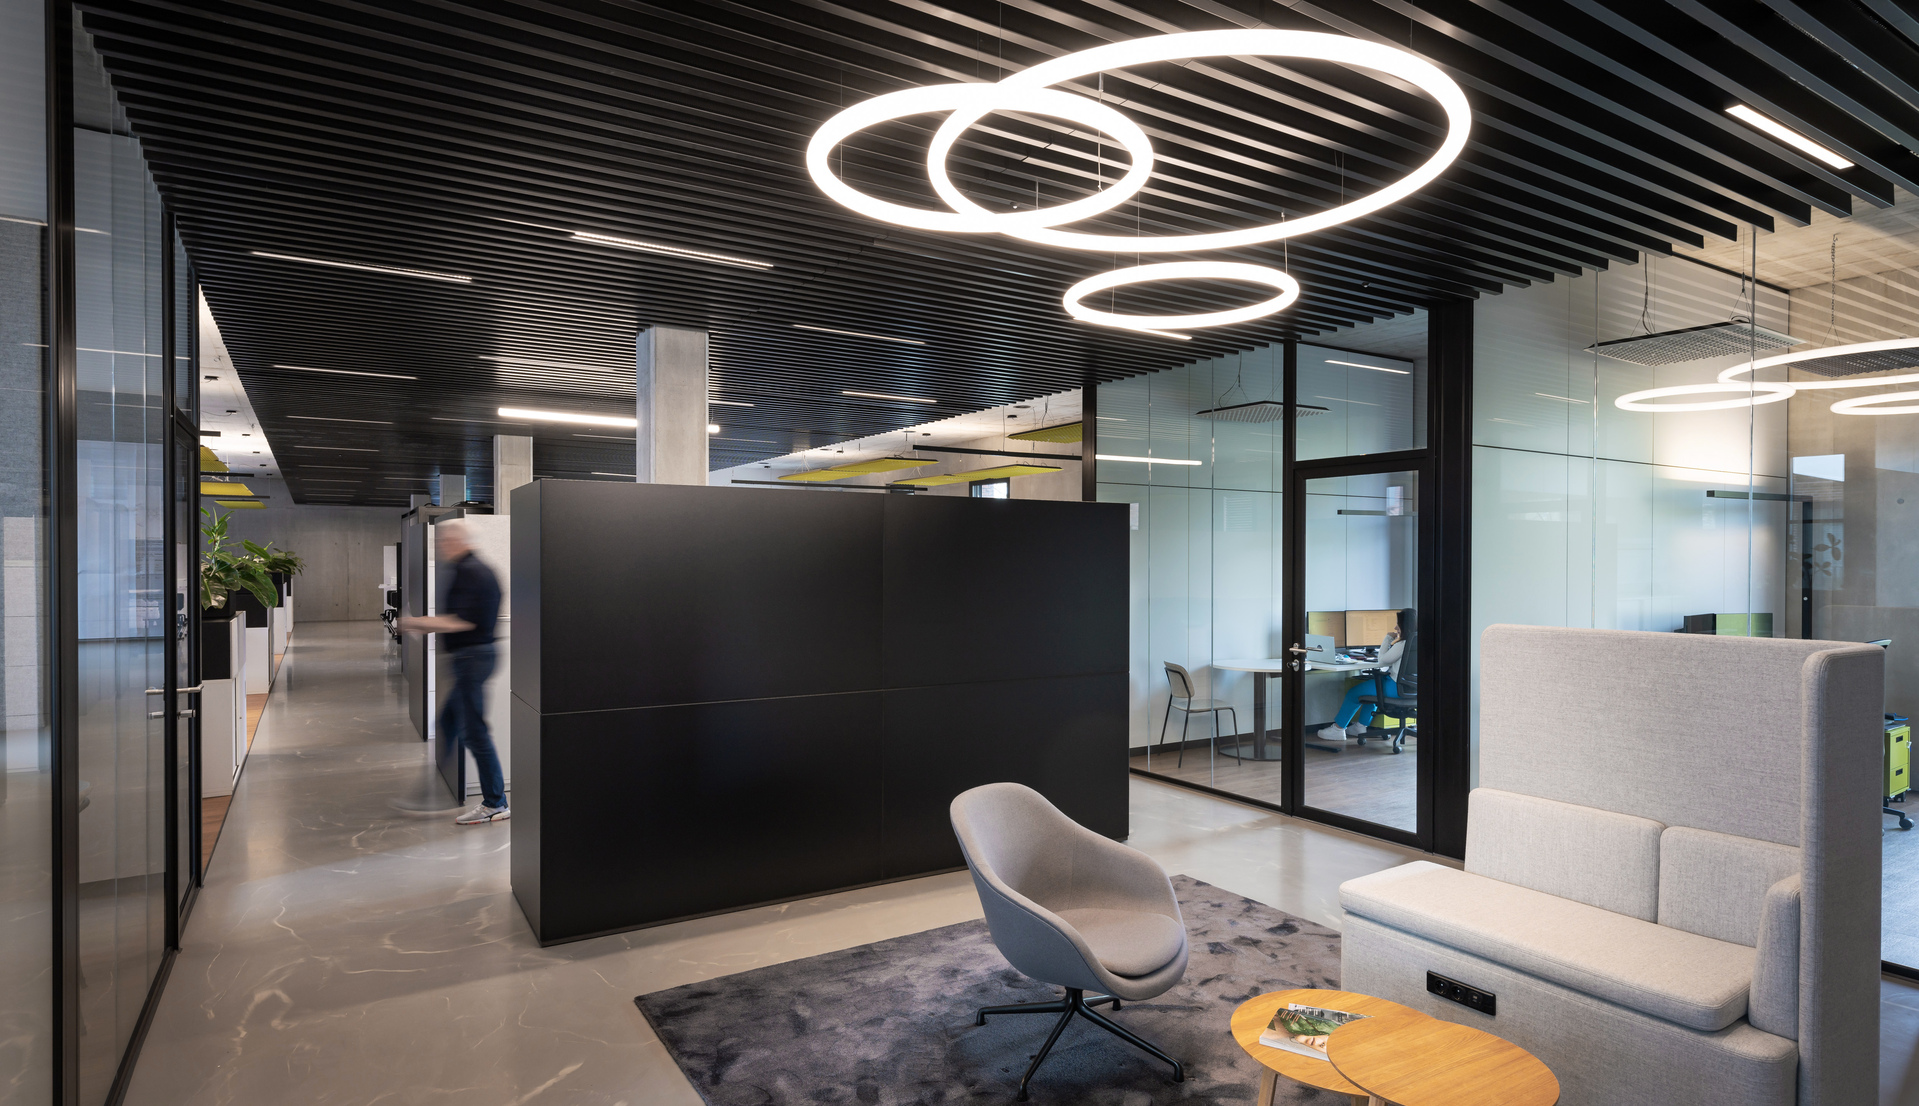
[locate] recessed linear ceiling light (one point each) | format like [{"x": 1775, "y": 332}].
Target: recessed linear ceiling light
[
  {"x": 1787, "y": 135},
  {"x": 728, "y": 403},
  {"x": 712, "y": 428},
  {"x": 608, "y": 437},
  {"x": 1143, "y": 460},
  {"x": 537, "y": 363},
  {"x": 347, "y": 372},
  {"x": 859, "y": 334},
  {"x": 323, "y": 418},
  {"x": 451, "y": 278},
  {"x": 1375, "y": 368},
  {"x": 882, "y": 395},
  {"x": 628, "y": 475},
  {"x": 335, "y": 449},
  {"x": 568, "y": 416},
  {"x": 670, "y": 251}
]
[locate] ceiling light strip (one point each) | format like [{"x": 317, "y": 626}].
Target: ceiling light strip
[
  {"x": 324, "y": 418},
  {"x": 859, "y": 334},
  {"x": 883, "y": 395},
  {"x": 670, "y": 251},
  {"x": 347, "y": 372},
  {"x": 1143, "y": 460},
  {"x": 567, "y": 416},
  {"x": 1787, "y": 135},
  {"x": 1375, "y": 368},
  {"x": 451, "y": 278}
]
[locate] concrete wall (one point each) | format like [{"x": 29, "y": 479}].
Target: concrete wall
[{"x": 341, "y": 546}]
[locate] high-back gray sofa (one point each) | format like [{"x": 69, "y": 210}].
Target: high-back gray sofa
[{"x": 1672, "y": 869}]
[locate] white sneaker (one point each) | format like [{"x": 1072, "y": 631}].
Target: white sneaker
[
  {"x": 1356, "y": 730},
  {"x": 484, "y": 813},
  {"x": 1335, "y": 734}
]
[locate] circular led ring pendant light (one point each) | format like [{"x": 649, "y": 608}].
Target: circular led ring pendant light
[
  {"x": 1773, "y": 393},
  {"x": 1309, "y": 45},
  {"x": 977, "y": 100},
  {"x": 1729, "y": 381},
  {"x": 1869, "y": 405},
  {"x": 1287, "y": 287}
]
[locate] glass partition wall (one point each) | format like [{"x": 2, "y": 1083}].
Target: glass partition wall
[
  {"x": 1793, "y": 517},
  {"x": 1221, "y": 697}
]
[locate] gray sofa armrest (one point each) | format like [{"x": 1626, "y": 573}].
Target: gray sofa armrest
[{"x": 1774, "y": 1003}]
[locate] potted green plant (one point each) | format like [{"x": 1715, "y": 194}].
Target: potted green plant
[
  {"x": 224, "y": 570},
  {"x": 281, "y": 564}
]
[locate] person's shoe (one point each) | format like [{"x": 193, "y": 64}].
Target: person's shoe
[
  {"x": 484, "y": 813},
  {"x": 1356, "y": 730},
  {"x": 1336, "y": 734}
]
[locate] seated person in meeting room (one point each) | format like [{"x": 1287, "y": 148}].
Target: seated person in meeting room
[{"x": 1354, "y": 716}]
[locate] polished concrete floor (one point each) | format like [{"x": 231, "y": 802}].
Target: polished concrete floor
[{"x": 353, "y": 946}]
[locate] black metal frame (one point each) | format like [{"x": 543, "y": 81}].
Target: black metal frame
[
  {"x": 1293, "y": 737},
  {"x": 1074, "y": 1003},
  {"x": 62, "y": 513}
]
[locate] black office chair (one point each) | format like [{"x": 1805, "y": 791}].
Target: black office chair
[
  {"x": 1402, "y": 706},
  {"x": 1182, "y": 687}
]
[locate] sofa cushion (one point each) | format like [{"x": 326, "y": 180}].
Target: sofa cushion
[
  {"x": 1127, "y": 942},
  {"x": 1597, "y": 857},
  {"x": 1668, "y": 973},
  {"x": 1714, "y": 884}
]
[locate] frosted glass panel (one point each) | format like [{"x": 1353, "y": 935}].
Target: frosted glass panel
[{"x": 1353, "y": 403}]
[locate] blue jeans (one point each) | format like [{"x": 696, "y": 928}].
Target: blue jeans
[
  {"x": 463, "y": 719},
  {"x": 1352, "y": 707}
]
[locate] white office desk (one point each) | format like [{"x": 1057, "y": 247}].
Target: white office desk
[
  {"x": 1263, "y": 667},
  {"x": 1260, "y": 667}
]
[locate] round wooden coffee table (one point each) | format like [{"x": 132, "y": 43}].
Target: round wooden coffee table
[
  {"x": 1255, "y": 1014},
  {"x": 1422, "y": 1061}
]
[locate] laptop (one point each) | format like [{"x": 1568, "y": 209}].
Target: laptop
[{"x": 1319, "y": 647}]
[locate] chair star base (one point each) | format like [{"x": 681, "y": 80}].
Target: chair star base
[{"x": 1076, "y": 1002}]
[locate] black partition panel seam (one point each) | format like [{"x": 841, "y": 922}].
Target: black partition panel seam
[
  {"x": 1449, "y": 338},
  {"x": 804, "y": 683}
]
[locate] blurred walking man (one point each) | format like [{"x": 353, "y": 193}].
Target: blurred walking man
[{"x": 471, "y": 610}]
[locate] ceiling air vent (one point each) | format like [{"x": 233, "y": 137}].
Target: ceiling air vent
[
  {"x": 1260, "y": 410},
  {"x": 1695, "y": 343}
]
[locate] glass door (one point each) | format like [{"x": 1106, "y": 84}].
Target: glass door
[
  {"x": 1360, "y": 567},
  {"x": 183, "y": 662}
]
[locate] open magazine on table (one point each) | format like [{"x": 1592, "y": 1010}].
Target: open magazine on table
[{"x": 1304, "y": 1029}]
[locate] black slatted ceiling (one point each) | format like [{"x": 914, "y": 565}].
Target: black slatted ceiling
[{"x": 472, "y": 138}]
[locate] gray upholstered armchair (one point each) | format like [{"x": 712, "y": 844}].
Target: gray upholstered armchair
[{"x": 1069, "y": 907}]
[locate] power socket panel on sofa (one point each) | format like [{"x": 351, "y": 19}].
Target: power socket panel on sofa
[{"x": 1472, "y": 998}]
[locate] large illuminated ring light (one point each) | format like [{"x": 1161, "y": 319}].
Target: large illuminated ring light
[
  {"x": 979, "y": 99},
  {"x": 1313, "y": 45},
  {"x": 1729, "y": 381},
  {"x": 1752, "y": 394},
  {"x": 1287, "y": 287}
]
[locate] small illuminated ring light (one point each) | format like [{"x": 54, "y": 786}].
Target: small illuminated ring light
[
  {"x": 977, "y": 100},
  {"x": 1311, "y": 45},
  {"x": 1870, "y": 405},
  {"x": 1287, "y": 287},
  {"x": 1773, "y": 393}
]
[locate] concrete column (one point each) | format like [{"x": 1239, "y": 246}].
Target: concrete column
[
  {"x": 512, "y": 467},
  {"x": 670, "y": 442},
  {"x": 452, "y": 489}
]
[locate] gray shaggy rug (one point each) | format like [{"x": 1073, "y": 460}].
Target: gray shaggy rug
[{"x": 892, "y": 1022}]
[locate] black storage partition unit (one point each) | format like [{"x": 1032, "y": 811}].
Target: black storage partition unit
[{"x": 728, "y": 696}]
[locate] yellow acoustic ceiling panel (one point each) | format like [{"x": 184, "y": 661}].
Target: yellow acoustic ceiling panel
[
  {"x": 242, "y": 504},
  {"x": 883, "y": 464},
  {"x": 816, "y": 476},
  {"x": 860, "y": 468},
  {"x": 1000, "y": 473},
  {"x": 209, "y": 487},
  {"x": 1064, "y": 432},
  {"x": 210, "y": 461}
]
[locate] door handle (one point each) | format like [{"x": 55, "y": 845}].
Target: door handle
[
  {"x": 194, "y": 690},
  {"x": 1299, "y": 650},
  {"x": 189, "y": 712}
]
